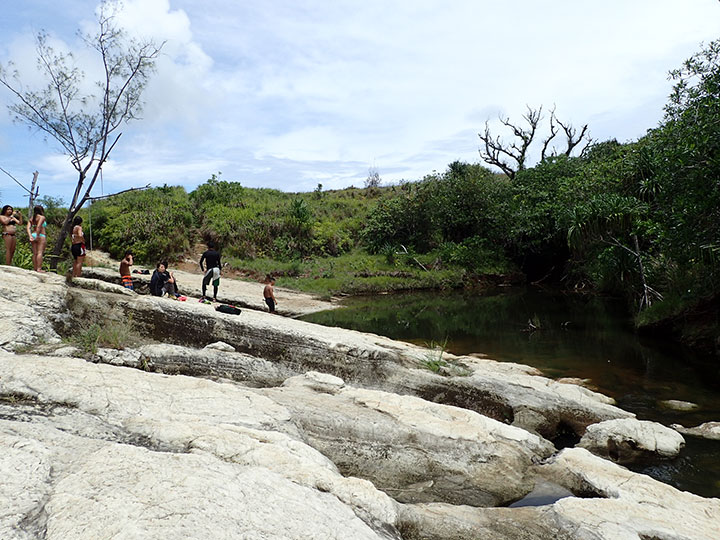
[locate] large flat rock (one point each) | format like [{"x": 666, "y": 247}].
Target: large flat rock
[{"x": 269, "y": 443}]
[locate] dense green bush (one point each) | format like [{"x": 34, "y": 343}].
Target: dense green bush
[
  {"x": 331, "y": 238},
  {"x": 259, "y": 223},
  {"x": 465, "y": 201},
  {"x": 541, "y": 198},
  {"x": 402, "y": 220},
  {"x": 154, "y": 223},
  {"x": 474, "y": 254}
]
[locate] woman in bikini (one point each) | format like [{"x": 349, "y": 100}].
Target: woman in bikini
[
  {"x": 36, "y": 229},
  {"x": 9, "y": 219},
  {"x": 78, "y": 246}
]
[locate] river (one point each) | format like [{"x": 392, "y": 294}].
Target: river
[{"x": 564, "y": 335}]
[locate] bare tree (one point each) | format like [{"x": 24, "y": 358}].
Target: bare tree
[
  {"x": 511, "y": 157},
  {"x": 573, "y": 138},
  {"x": 550, "y": 137},
  {"x": 498, "y": 153},
  {"x": 86, "y": 126}
]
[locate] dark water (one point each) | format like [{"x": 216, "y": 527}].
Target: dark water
[{"x": 577, "y": 336}]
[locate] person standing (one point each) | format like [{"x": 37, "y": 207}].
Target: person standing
[
  {"x": 36, "y": 229},
  {"x": 125, "y": 265},
  {"x": 9, "y": 219},
  {"x": 78, "y": 246},
  {"x": 211, "y": 258},
  {"x": 269, "y": 293}
]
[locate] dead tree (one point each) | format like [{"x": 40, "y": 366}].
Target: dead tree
[
  {"x": 498, "y": 153},
  {"x": 573, "y": 138},
  {"x": 550, "y": 137},
  {"x": 512, "y": 157}
]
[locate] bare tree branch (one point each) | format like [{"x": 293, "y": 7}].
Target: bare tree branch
[
  {"x": 646, "y": 297},
  {"x": 147, "y": 186},
  {"x": 512, "y": 157},
  {"x": 16, "y": 180},
  {"x": 498, "y": 153},
  {"x": 572, "y": 138},
  {"x": 551, "y": 136}
]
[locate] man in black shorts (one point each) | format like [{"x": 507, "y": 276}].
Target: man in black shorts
[{"x": 211, "y": 258}]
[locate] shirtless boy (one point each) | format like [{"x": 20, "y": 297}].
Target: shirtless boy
[
  {"x": 269, "y": 293},
  {"x": 125, "y": 265}
]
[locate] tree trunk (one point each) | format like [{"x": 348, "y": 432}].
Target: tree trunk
[{"x": 62, "y": 235}]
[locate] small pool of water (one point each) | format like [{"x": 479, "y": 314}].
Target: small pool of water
[{"x": 575, "y": 336}]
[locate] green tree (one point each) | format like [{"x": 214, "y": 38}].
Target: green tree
[
  {"x": 685, "y": 191},
  {"x": 465, "y": 201}
]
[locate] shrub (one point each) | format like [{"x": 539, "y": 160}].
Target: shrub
[
  {"x": 110, "y": 334},
  {"x": 474, "y": 254},
  {"x": 155, "y": 223},
  {"x": 330, "y": 238}
]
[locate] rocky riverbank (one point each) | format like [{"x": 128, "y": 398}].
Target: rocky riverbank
[{"x": 259, "y": 426}]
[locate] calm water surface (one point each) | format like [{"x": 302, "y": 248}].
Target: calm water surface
[{"x": 578, "y": 336}]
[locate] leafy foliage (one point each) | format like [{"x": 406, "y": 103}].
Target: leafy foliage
[
  {"x": 153, "y": 223},
  {"x": 258, "y": 223},
  {"x": 465, "y": 201}
]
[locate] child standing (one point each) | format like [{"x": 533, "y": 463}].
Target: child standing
[{"x": 269, "y": 293}]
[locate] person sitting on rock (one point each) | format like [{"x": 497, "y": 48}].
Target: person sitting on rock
[{"x": 163, "y": 281}]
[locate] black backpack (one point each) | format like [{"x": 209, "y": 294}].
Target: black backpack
[{"x": 224, "y": 308}]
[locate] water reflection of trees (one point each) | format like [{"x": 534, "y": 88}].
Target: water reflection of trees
[{"x": 578, "y": 336}]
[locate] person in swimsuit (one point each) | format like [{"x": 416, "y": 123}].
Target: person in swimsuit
[
  {"x": 125, "y": 265},
  {"x": 78, "y": 246},
  {"x": 269, "y": 293},
  {"x": 212, "y": 270},
  {"x": 9, "y": 219},
  {"x": 36, "y": 229}
]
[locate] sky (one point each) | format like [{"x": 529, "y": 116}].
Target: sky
[{"x": 290, "y": 94}]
